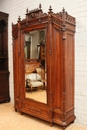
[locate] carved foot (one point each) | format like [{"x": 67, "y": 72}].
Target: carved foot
[
  {"x": 51, "y": 124},
  {"x": 72, "y": 122},
  {"x": 15, "y": 110},
  {"x": 63, "y": 128},
  {"x": 21, "y": 113}
]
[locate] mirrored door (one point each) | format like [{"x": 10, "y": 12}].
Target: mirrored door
[{"x": 35, "y": 65}]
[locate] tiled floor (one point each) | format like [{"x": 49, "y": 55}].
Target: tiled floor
[{"x": 11, "y": 120}]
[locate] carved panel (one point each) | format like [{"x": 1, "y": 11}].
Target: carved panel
[
  {"x": 15, "y": 31},
  {"x": 57, "y": 21},
  {"x": 70, "y": 18},
  {"x": 66, "y": 16},
  {"x": 18, "y": 103},
  {"x": 40, "y": 111},
  {"x": 35, "y": 110},
  {"x": 31, "y": 108},
  {"x": 70, "y": 68},
  {"x": 59, "y": 15},
  {"x": 34, "y": 13}
]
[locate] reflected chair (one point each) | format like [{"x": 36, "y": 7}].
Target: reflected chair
[
  {"x": 42, "y": 73},
  {"x": 34, "y": 80}
]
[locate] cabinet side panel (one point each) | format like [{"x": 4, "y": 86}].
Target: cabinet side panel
[
  {"x": 16, "y": 71},
  {"x": 56, "y": 68},
  {"x": 4, "y": 87},
  {"x": 70, "y": 72}
]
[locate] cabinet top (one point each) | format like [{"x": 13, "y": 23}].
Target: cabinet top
[
  {"x": 38, "y": 13},
  {"x": 36, "y": 17},
  {"x": 3, "y": 16}
]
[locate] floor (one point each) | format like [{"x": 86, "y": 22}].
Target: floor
[
  {"x": 39, "y": 95},
  {"x": 11, "y": 120}
]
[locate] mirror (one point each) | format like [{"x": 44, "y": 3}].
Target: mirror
[{"x": 35, "y": 65}]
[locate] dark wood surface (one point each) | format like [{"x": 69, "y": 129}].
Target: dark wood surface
[
  {"x": 60, "y": 30},
  {"x": 4, "y": 72}
]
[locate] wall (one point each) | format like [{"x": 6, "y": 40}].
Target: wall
[{"x": 78, "y": 9}]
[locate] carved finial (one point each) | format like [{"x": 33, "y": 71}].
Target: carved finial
[
  {"x": 19, "y": 19},
  {"x": 40, "y": 6},
  {"x": 27, "y": 11},
  {"x": 63, "y": 10},
  {"x": 50, "y": 9}
]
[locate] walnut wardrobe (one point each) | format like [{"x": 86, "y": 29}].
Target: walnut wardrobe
[{"x": 43, "y": 59}]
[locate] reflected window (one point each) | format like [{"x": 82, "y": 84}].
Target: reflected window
[{"x": 33, "y": 41}]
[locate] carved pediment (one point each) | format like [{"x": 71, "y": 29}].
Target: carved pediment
[
  {"x": 34, "y": 13},
  {"x": 70, "y": 19},
  {"x": 36, "y": 16},
  {"x": 65, "y": 16}
]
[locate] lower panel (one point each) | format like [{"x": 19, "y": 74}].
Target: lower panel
[
  {"x": 40, "y": 111},
  {"x": 64, "y": 119},
  {"x": 4, "y": 87}
]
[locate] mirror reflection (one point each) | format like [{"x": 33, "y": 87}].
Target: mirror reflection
[{"x": 35, "y": 65}]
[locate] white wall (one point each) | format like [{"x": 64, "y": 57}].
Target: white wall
[{"x": 76, "y": 8}]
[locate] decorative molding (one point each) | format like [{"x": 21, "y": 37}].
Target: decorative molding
[
  {"x": 37, "y": 16},
  {"x": 36, "y": 110},
  {"x": 14, "y": 31},
  {"x": 38, "y": 20},
  {"x": 70, "y": 18},
  {"x": 57, "y": 21},
  {"x": 34, "y": 13},
  {"x": 18, "y": 103},
  {"x": 51, "y": 96},
  {"x": 59, "y": 15},
  {"x": 50, "y": 113},
  {"x": 65, "y": 16}
]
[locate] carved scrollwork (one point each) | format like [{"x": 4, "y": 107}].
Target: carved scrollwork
[
  {"x": 42, "y": 19},
  {"x": 59, "y": 15},
  {"x": 59, "y": 116},
  {"x": 34, "y": 13},
  {"x": 64, "y": 15},
  {"x": 70, "y": 18},
  {"x": 64, "y": 36},
  {"x": 18, "y": 103},
  {"x": 57, "y": 21},
  {"x": 33, "y": 109},
  {"x": 50, "y": 113}
]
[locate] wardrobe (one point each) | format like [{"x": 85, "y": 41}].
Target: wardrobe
[{"x": 50, "y": 51}]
